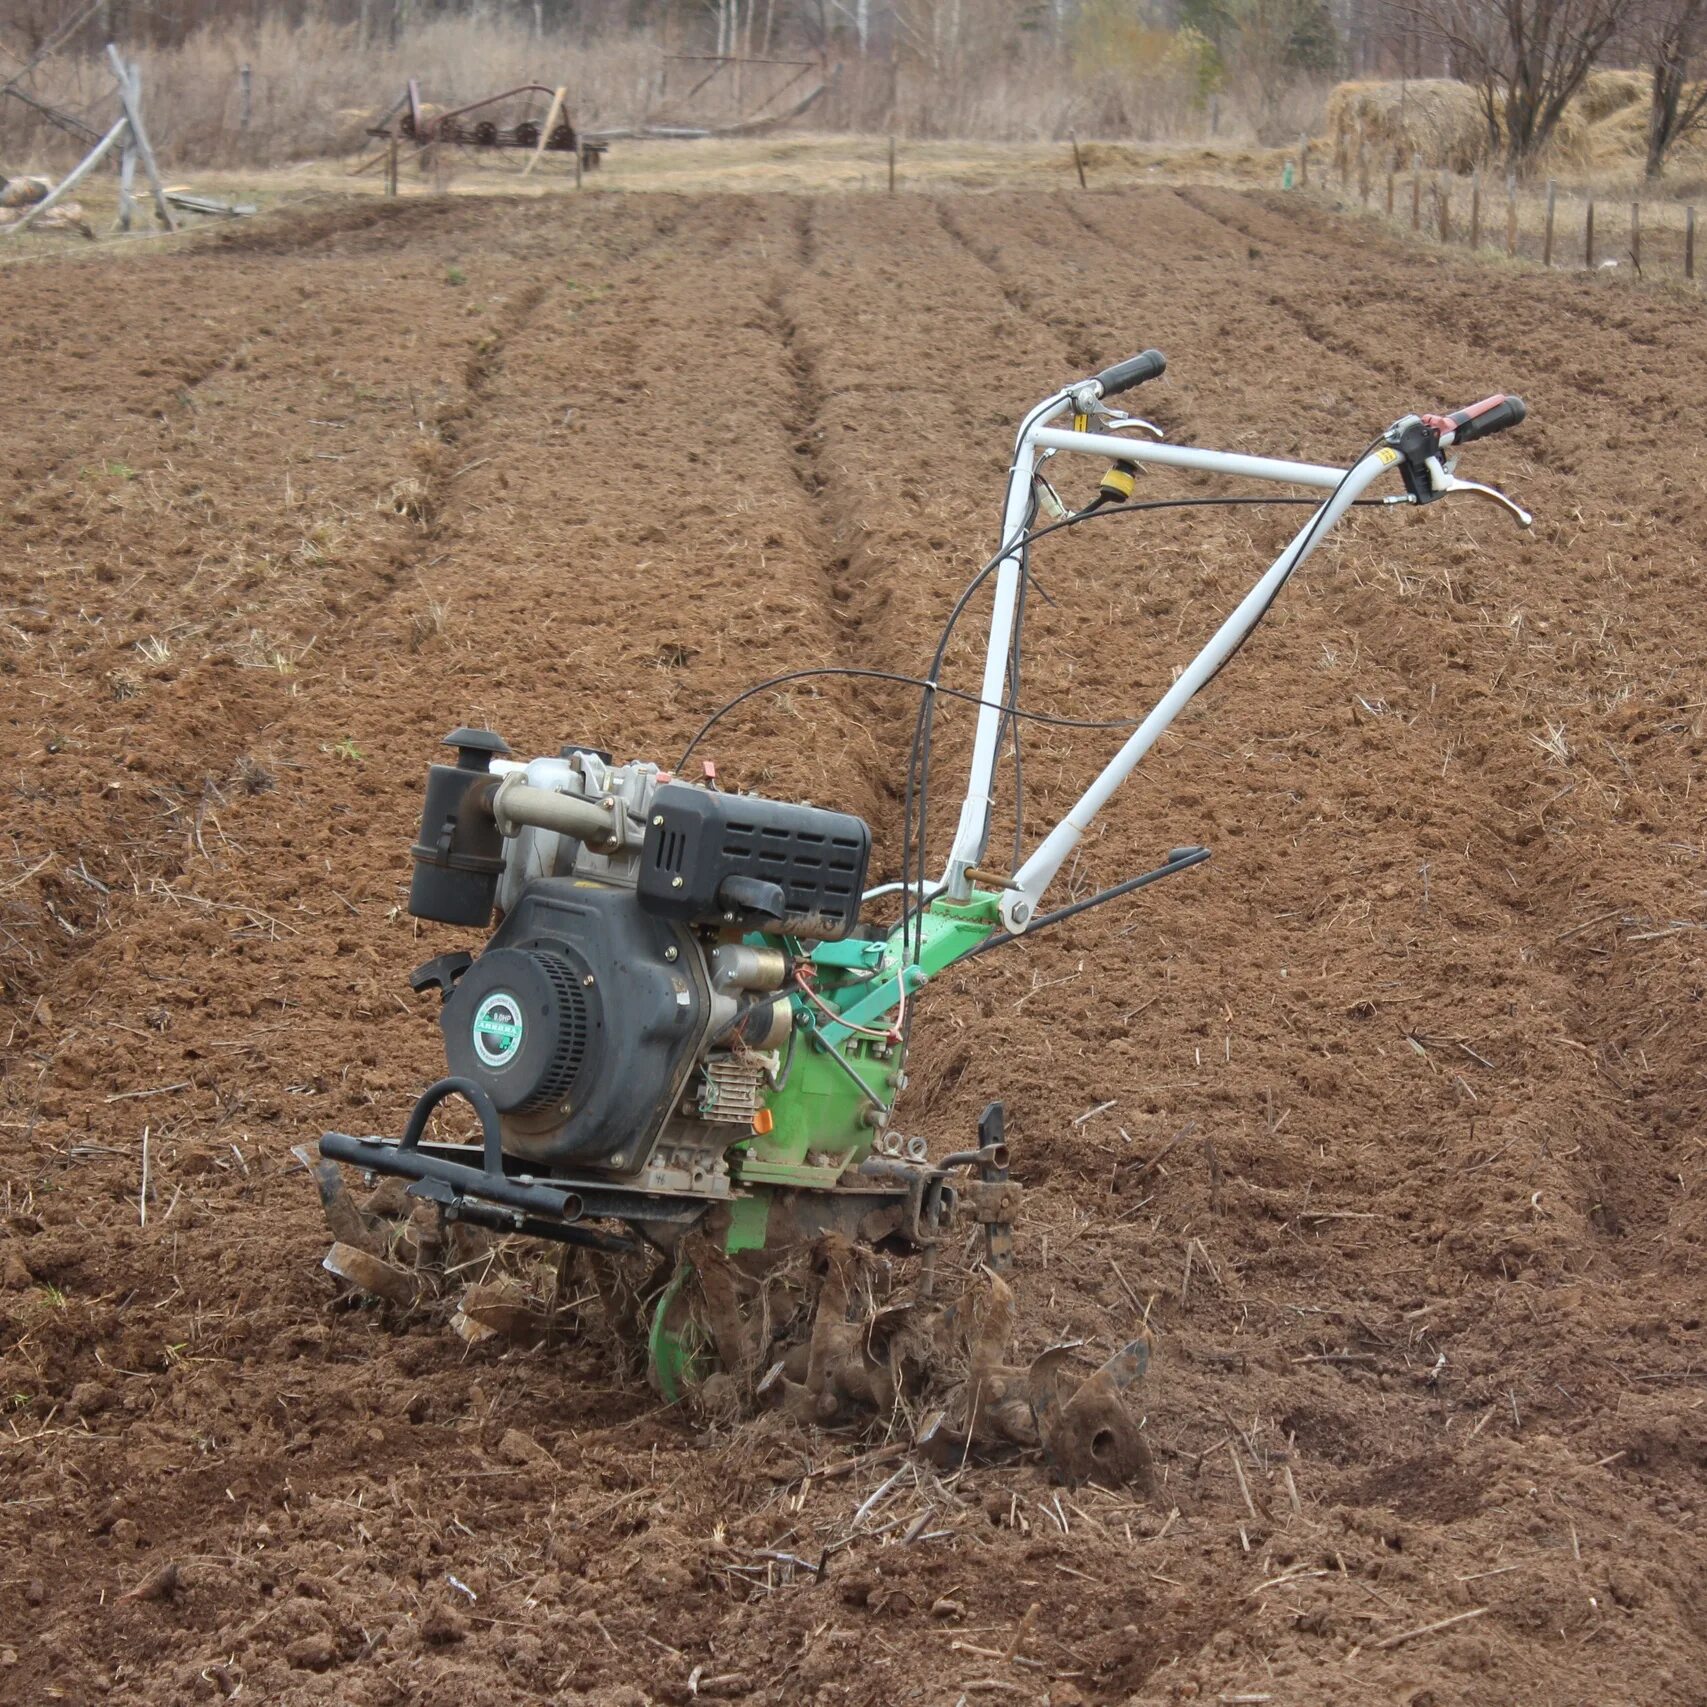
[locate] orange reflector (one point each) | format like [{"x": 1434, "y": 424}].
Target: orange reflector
[{"x": 763, "y": 1121}]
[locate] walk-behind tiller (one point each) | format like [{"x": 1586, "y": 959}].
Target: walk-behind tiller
[{"x": 685, "y": 1045}]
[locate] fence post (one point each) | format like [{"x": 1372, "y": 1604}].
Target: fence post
[
  {"x": 1078, "y": 160},
  {"x": 245, "y": 104},
  {"x": 391, "y": 168},
  {"x": 1443, "y": 192},
  {"x": 1476, "y": 208},
  {"x": 1390, "y": 179},
  {"x": 1689, "y": 243},
  {"x": 1511, "y": 214},
  {"x": 1362, "y": 169},
  {"x": 1636, "y": 235},
  {"x": 1588, "y": 236},
  {"x": 1547, "y": 238},
  {"x": 1416, "y": 192}
]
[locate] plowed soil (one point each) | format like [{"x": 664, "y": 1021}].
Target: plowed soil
[{"x": 1399, "y": 1103}]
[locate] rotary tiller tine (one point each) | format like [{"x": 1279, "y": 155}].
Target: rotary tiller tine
[
  {"x": 1091, "y": 1437},
  {"x": 342, "y": 1216}
]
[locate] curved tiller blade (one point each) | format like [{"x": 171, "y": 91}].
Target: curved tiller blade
[{"x": 1091, "y": 1436}]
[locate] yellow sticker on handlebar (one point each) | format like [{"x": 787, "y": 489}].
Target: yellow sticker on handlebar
[{"x": 1386, "y": 456}]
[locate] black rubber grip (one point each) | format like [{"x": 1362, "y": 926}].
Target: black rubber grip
[
  {"x": 1482, "y": 420},
  {"x": 1133, "y": 371}
]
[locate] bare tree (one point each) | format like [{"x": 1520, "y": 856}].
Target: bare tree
[
  {"x": 1526, "y": 59},
  {"x": 1674, "y": 33}
]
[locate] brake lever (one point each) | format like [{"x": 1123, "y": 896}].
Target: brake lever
[
  {"x": 1518, "y": 514},
  {"x": 1115, "y": 421}
]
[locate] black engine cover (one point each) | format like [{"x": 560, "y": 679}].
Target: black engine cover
[
  {"x": 738, "y": 859},
  {"x": 579, "y": 1023}
]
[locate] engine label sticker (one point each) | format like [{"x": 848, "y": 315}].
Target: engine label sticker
[{"x": 498, "y": 1029}]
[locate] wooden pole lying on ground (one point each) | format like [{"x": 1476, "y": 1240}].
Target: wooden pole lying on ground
[
  {"x": 1511, "y": 214},
  {"x": 1689, "y": 243},
  {"x": 130, "y": 99},
  {"x": 1476, "y": 208},
  {"x": 1636, "y": 235},
  {"x": 557, "y": 96},
  {"x": 1547, "y": 238},
  {"x": 1078, "y": 160},
  {"x": 1588, "y": 236},
  {"x": 892, "y": 165}
]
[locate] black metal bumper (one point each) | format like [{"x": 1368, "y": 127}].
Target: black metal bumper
[{"x": 546, "y": 1208}]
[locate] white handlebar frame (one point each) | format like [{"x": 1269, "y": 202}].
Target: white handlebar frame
[{"x": 1036, "y": 435}]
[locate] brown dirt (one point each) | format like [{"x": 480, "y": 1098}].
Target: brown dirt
[{"x": 285, "y": 507}]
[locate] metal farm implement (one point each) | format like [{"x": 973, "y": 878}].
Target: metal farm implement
[{"x": 685, "y": 1041}]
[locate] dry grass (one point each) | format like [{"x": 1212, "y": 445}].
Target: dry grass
[{"x": 315, "y": 85}]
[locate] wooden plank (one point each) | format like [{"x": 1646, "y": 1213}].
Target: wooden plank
[
  {"x": 550, "y": 119},
  {"x": 70, "y": 181},
  {"x": 130, "y": 98}
]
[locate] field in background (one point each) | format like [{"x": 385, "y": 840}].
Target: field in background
[{"x": 313, "y": 87}]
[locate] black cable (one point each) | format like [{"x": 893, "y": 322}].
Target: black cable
[
  {"x": 1300, "y": 551},
  {"x": 925, "y": 682},
  {"x": 918, "y": 764},
  {"x": 1188, "y": 857}
]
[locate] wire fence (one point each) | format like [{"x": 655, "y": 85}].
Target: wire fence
[{"x": 1575, "y": 229}]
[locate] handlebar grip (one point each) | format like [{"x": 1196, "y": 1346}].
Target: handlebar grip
[
  {"x": 1482, "y": 420},
  {"x": 1135, "y": 370}
]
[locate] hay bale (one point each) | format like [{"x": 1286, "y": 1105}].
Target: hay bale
[
  {"x": 1607, "y": 92},
  {"x": 1435, "y": 117},
  {"x": 1443, "y": 121}
]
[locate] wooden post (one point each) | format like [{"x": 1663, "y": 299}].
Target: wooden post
[
  {"x": 1303, "y": 161},
  {"x": 1636, "y": 235},
  {"x": 580, "y": 162},
  {"x": 1511, "y": 214},
  {"x": 892, "y": 165},
  {"x": 1416, "y": 192},
  {"x": 1340, "y": 155},
  {"x": 70, "y": 181},
  {"x": 1689, "y": 243},
  {"x": 130, "y": 99},
  {"x": 1476, "y": 208},
  {"x": 127, "y": 176},
  {"x": 1444, "y": 193},
  {"x": 1390, "y": 178},
  {"x": 1547, "y": 235},
  {"x": 391, "y": 168},
  {"x": 1078, "y": 160},
  {"x": 127, "y": 183},
  {"x": 1362, "y": 169},
  {"x": 1588, "y": 236},
  {"x": 245, "y": 97}
]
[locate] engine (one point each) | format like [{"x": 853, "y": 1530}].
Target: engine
[{"x": 635, "y": 1007}]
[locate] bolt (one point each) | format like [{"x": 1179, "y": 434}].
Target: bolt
[
  {"x": 658, "y": 821},
  {"x": 675, "y": 883},
  {"x": 588, "y": 980},
  {"x": 671, "y": 952}
]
